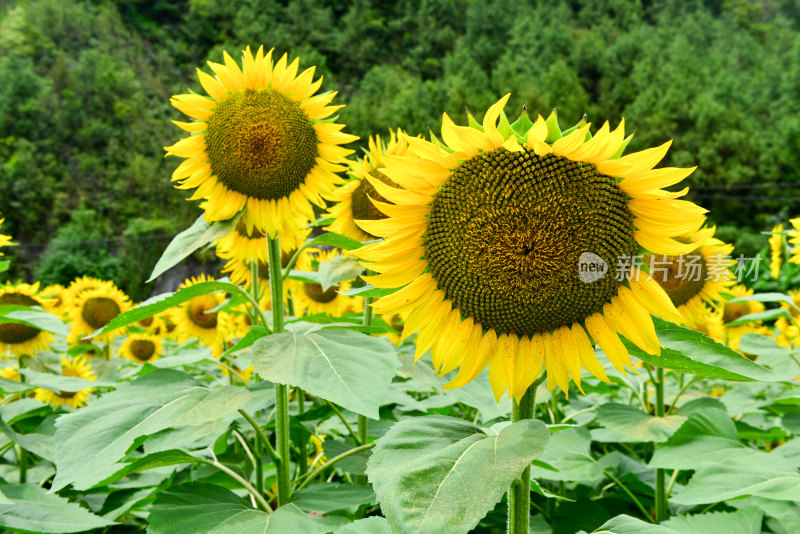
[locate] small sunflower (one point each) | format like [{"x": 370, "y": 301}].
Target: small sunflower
[
  {"x": 5, "y": 240},
  {"x": 794, "y": 240},
  {"x": 166, "y": 324},
  {"x": 10, "y": 373},
  {"x": 352, "y": 200},
  {"x": 487, "y": 234},
  {"x": 260, "y": 141},
  {"x": 776, "y": 251},
  {"x": 309, "y": 298},
  {"x": 21, "y": 338},
  {"x": 191, "y": 319},
  {"x": 142, "y": 348},
  {"x": 76, "y": 367},
  {"x": 697, "y": 280},
  {"x": 93, "y": 308}
]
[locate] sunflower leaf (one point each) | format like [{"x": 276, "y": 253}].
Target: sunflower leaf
[
  {"x": 198, "y": 507},
  {"x": 164, "y": 301},
  {"x": 369, "y": 291},
  {"x": 344, "y": 366},
  {"x": 766, "y": 315},
  {"x": 688, "y": 351},
  {"x": 442, "y": 474},
  {"x": 338, "y": 269},
  {"x": 625, "y": 524},
  {"x": 33, "y": 509},
  {"x": 369, "y": 525},
  {"x": 91, "y": 441},
  {"x": 33, "y": 316},
  {"x": 200, "y": 233}
]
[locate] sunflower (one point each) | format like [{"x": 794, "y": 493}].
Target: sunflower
[
  {"x": 166, "y": 324},
  {"x": 191, "y": 319},
  {"x": 776, "y": 251},
  {"x": 10, "y": 373},
  {"x": 76, "y": 367},
  {"x": 142, "y": 348},
  {"x": 352, "y": 200},
  {"x": 717, "y": 322},
  {"x": 489, "y": 235},
  {"x": 53, "y": 298},
  {"x": 5, "y": 240},
  {"x": 697, "y": 280},
  {"x": 260, "y": 141},
  {"x": 20, "y": 338},
  {"x": 151, "y": 325},
  {"x": 309, "y": 298},
  {"x": 95, "y": 307},
  {"x": 80, "y": 285}
]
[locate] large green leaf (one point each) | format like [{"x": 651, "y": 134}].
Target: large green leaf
[
  {"x": 338, "y": 269},
  {"x": 197, "y": 507},
  {"x": 370, "y": 525},
  {"x": 708, "y": 435},
  {"x": 330, "y": 496},
  {"x": 569, "y": 453},
  {"x": 54, "y": 382},
  {"x": 441, "y": 474},
  {"x": 91, "y": 441},
  {"x": 199, "y": 234},
  {"x": 152, "y": 461},
  {"x": 625, "y": 524},
  {"x": 623, "y": 423},
  {"x": 744, "y": 521},
  {"x": 32, "y": 509},
  {"x": 689, "y": 351},
  {"x": 754, "y": 473},
  {"x": 33, "y": 316},
  {"x": 346, "y": 367},
  {"x": 164, "y": 301}
]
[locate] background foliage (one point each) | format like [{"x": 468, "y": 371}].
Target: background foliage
[{"x": 85, "y": 87}]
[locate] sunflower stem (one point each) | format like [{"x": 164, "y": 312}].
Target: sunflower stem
[
  {"x": 22, "y": 457},
  {"x": 661, "y": 495},
  {"x": 362, "y": 419},
  {"x": 519, "y": 495},
  {"x": 281, "y": 390}
]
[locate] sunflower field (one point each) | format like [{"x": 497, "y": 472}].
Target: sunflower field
[{"x": 515, "y": 322}]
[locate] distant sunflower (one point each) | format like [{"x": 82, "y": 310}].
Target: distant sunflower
[
  {"x": 191, "y": 319},
  {"x": 776, "y": 251},
  {"x": 16, "y": 337},
  {"x": 5, "y": 240},
  {"x": 718, "y": 323},
  {"x": 260, "y": 141},
  {"x": 309, "y": 298},
  {"x": 697, "y": 280},
  {"x": 486, "y": 236},
  {"x": 10, "y": 373},
  {"x": 53, "y": 298},
  {"x": 794, "y": 240},
  {"x": 94, "y": 308},
  {"x": 76, "y": 367},
  {"x": 352, "y": 200},
  {"x": 142, "y": 348}
]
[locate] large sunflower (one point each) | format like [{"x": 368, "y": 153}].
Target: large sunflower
[
  {"x": 697, "y": 280},
  {"x": 20, "y": 338},
  {"x": 94, "y": 308},
  {"x": 76, "y": 367},
  {"x": 142, "y": 348},
  {"x": 260, "y": 141},
  {"x": 352, "y": 200},
  {"x": 491, "y": 238},
  {"x": 309, "y": 298},
  {"x": 191, "y": 318}
]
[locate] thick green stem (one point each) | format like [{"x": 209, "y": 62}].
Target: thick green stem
[
  {"x": 362, "y": 420},
  {"x": 519, "y": 495},
  {"x": 281, "y": 390},
  {"x": 22, "y": 457},
  {"x": 661, "y": 495}
]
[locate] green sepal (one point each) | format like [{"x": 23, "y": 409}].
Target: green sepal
[
  {"x": 622, "y": 147},
  {"x": 504, "y": 127},
  {"x": 580, "y": 124},
  {"x": 522, "y": 125},
  {"x": 472, "y": 122},
  {"x": 553, "y": 131}
]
